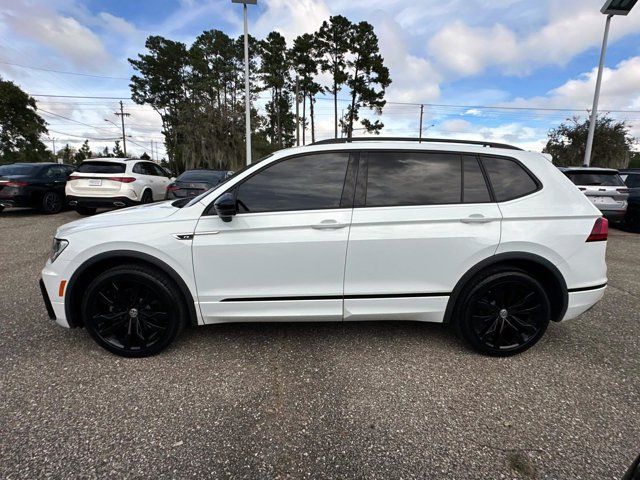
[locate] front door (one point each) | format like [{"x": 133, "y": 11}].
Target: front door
[
  {"x": 282, "y": 257},
  {"x": 421, "y": 220}
]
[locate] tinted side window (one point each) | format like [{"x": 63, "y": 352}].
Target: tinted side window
[
  {"x": 413, "y": 178},
  {"x": 142, "y": 168},
  {"x": 310, "y": 182},
  {"x": 475, "y": 188},
  {"x": 508, "y": 179}
]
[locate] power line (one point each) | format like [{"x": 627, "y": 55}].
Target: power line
[
  {"x": 63, "y": 72},
  {"x": 72, "y": 120}
]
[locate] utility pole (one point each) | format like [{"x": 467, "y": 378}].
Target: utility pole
[
  {"x": 421, "y": 114},
  {"x": 152, "y": 151},
  {"x": 297, "y": 111},
  {"x": 123, "y": 114}
]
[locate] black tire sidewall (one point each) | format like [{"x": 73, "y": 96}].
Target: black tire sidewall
[
  {"x": 151, "y": 277},
  {"x": 147, "y": 197},
  {"x": 463, "y": 324}
]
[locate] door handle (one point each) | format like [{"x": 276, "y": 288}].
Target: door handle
[
  {"x": 328, "y": 225},
  {"x": 476, "y": 218}
]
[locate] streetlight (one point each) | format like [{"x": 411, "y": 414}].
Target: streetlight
[
  {"x": 247, "y": 98},
  {"x": 610, "y": 8}
]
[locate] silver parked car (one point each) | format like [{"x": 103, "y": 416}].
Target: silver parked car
[{"x": 604, "y": 187}]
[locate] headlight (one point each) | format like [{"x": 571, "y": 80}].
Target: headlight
[{"x": 57, "y": 248}]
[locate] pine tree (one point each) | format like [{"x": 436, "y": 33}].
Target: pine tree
[
  {"x": 117, "y": 151},
  {"x": 333, "y": 45},
  {"x": 304, "y": 60},
  {"x": 368, "y": 78}
]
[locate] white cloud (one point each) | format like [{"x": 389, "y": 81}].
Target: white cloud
[
  {"x": 469, "y": 50},
  {"x": 291, "y": 19},
  {"x": 65, "y": 36}
]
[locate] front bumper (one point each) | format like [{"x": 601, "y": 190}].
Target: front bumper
[
  {"x": 100, "y": 202},
  {"x": 52, "y": 275}
]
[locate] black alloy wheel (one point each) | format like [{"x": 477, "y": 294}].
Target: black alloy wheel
[
  {"x": 147, "y": 197},
  {"x": 504, "y": 313},
  {"x": 52, "y": 202},
  {"x": 133, "y": 311}
]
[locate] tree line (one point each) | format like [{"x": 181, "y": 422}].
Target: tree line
[{"x": 198, "y": 91}]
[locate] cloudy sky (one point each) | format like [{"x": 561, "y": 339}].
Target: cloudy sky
[{"x": 461, "y": 58}]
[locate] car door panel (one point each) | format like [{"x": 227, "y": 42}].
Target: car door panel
[
  {"x": 404, "y": 261},
  {"x": 282, "y": 256},
  {"x": 271, "y": 266}
]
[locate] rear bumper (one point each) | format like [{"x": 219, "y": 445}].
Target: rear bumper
[
  {"x": 582, "y": 300},
  {"x": 100, "y": 202},
  {"x": 16, "y": 201}
]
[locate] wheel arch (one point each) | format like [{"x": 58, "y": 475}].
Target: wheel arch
[
  {"x": 539, "y": 267},
  {"x": 87, "y": 270}
]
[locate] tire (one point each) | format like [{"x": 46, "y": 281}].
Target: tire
[
  {"x": 502, "y": 312},
  {"x": 1, "y": 208},
  {"x": 86, "y": 210},
  {"x": 133, "y": 311},
  {"x": 147, "y": 197},
  {"x": 51, "y": 202}
]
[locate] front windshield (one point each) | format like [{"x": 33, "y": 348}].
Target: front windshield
[{"x": 195, "y": 200}]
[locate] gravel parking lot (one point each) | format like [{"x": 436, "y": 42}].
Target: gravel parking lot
[{"x": 366, "y": 400}]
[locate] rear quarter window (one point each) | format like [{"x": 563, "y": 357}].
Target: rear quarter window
[
  {"x": 101, "y": 167},
  {"x": 508, "y": 178}
]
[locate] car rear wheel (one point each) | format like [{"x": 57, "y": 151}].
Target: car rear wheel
[
  {"x": 146, "y": 197},
  {"x": 503, "y": 312},
  {"x": 52, "y": 202},
  {"x": 133, "y": 311},
  {"x": 86, "y": 210}
]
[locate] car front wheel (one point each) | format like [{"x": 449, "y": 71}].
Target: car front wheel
[
  {"x": 133, "y": 311},
  {"x": 503, "y": 312}
]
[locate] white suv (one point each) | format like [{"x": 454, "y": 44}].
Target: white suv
[
  {"x": 115, "y": 182},
  {"x": 490, "y": 239}
]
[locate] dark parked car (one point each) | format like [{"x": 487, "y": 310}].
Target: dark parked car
[
  {"x": 193, "y": 182},
  {"x": 35, "y": 185},
  {"x": 631, "y": 178}
]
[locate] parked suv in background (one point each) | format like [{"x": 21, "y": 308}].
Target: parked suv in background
[
  {"x": 115, "y": 182},
  {"x": 604, "y": 187},
  {"x": 194, "y": 182},
  {"x": 631, "y": 178},
  {"x": 488, "y": 238},
  {"x": 34, "y": 185}
]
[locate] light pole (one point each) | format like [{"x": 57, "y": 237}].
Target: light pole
[
  {"x": 610, "y": 8},
  {"x": 247, "y": 97}
]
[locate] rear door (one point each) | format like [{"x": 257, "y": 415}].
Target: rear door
[
  {"x": 421, "y": 220},
  {"x": 161, "y": 181}
]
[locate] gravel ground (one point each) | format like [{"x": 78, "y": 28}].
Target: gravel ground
[{"x": 365, "y": 400}]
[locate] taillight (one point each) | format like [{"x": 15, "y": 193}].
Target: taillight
[
  {"x": 16, "y": 183},
  {"x": 122, "y": 179},
  {"x": 622, "y": 190},
  {"x": 600, "y": 231},
  {"x": 172, "y": 187},
  {"x": 74, "y": 177}
]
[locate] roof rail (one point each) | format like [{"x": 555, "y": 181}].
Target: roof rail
[{"x": 413, "y": 139}]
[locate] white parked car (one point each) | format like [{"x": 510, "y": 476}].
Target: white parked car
[
  {"x": 490, "y": 239},
  {"x": 115, "y": 182}
]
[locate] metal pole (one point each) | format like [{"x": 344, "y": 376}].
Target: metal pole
[
  {"x": 596, "y": 96},
  {"x": 297, "y": 112},
  {"x": 247, "y": 98},
  {"x": 421, "y": 112}
]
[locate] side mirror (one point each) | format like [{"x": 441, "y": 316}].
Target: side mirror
[{"x": 225, "y": 206}]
